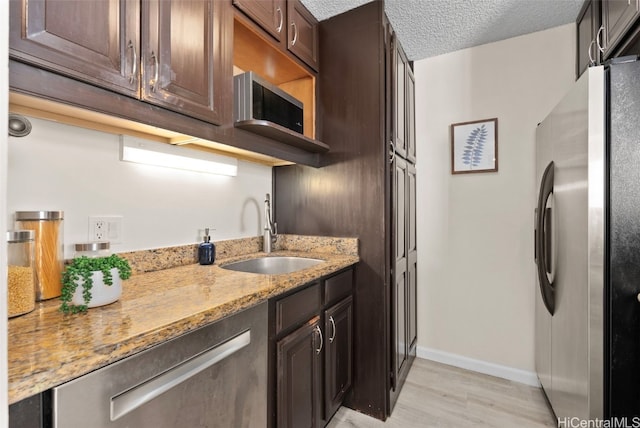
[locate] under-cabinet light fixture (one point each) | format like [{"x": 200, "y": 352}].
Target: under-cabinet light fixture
[{"x": 167, "y": 155}]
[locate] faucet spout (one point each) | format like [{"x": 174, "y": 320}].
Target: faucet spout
[{"x": 270, "y": 227}]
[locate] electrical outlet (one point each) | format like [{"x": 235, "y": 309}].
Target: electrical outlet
[{"x": 105, "y": 228}]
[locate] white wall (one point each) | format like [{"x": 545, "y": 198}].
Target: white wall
[
  {"x": 475, "y": 237},
  {"x": 4, "y": 101},
  {"x": 76, "y": 170}
]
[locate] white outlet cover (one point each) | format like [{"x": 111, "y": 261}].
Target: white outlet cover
[{"x": 106, "y": 228}]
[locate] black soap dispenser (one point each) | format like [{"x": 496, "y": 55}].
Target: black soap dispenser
[{"x": 206, "y": 250}]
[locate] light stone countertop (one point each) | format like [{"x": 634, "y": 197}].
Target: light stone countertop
[{"x": 47, "y": 348}]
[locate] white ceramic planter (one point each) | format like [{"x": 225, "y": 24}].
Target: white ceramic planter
[{"x": 101, "y": 293}]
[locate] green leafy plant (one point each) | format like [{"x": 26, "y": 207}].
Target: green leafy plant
[{"x": 80, "y": 271}]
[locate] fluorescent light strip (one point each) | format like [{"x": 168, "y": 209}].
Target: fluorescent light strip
[{"x": 166, "y": 155}]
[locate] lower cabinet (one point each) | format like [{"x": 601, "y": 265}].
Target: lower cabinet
[
  {"x": 313, "y": 349},
  {"x": 299, "y": 376},
  {"x": 338, "y": 321}
]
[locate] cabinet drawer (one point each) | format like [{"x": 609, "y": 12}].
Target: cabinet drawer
[
  {"x": 298, "y": 307},
  {"x": 338, "y": 286}
]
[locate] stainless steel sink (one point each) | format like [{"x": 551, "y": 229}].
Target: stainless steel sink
[{"x": 272, "y": 265}]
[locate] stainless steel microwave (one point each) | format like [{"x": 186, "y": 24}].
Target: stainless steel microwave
[{"x": 257, "y": 99}]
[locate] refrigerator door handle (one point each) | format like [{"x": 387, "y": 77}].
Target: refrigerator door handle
[{"x": 544, "y": 250}]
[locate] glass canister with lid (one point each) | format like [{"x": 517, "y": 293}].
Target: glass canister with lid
[
  {"x": 93, "y": 249},
  {"x": 21, "y": 298},
  {"x": 49, "y": 249}
]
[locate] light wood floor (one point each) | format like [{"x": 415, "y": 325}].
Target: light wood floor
[{"x": 437, "y": 395}]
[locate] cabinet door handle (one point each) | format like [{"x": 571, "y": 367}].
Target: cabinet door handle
[
  {"x": 317, "y": 330},
  {"x": 392, "y": 152},
  {"x": 134, "y": 65},
  {"x": 154, "y": 82},
  {"x": 280, "y": 20},
  {"x": 591, "y": 60},
  {"x": 295, "y": 33},
  {"x": 598, "y": 39},
  {"x": 333, "y": 329}
]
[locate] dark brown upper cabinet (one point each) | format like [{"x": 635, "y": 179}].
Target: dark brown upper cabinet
[
  {"x": 411, "y": 115},
  {"x": 302, "y": 33},
  {"x": 93, "y": 41},
  {"x": 400, "y": 97},
  {"x": 169, "y": 53},
  {"x": 269, "y": 14},
  {"x": 587, "y": 26},
  {"x": 617, "y": 18},
  {"x": 185, "y": 66},
  {"x": 289, "y": 22}
]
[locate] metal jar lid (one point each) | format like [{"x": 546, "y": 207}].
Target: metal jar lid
[
  {"x": 20, "y": 235},
  {"x": 39, "y": 215},
  {"x": 93, "y": 246}
]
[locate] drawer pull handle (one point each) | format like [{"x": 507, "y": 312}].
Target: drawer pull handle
[{"x": 141, "y": 394}]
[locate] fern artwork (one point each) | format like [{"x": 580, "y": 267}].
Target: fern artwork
[{"x": 474, "y": 146}]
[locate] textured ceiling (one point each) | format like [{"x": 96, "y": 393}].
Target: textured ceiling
[{"x": 428, "y": 28}]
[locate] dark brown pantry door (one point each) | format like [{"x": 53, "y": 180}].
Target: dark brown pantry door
[
  {"x": 399, "y": 293},
  {"x": 299, "y": 377},
  {"x": 185, "y": 62},
  {"x": 93, "y": 41}
]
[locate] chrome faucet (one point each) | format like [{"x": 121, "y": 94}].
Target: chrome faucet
[{"x": 270, "y": 227}]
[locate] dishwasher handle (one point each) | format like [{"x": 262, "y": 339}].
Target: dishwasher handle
[{"x": 127, "y": 401}]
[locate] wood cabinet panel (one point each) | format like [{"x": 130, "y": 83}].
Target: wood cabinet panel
[
  {"x": 299, "y": 377},
  {"x": 411, "y": 115},
  {"x": 618, "y": 15},
  {"x": 338, "y": 354},
  {"x": 587, "y": 26},
  {"x": 268, "y": 14},
  {"x": 298, "y": 307},
  {"x": 184, "y": 64},
  {"x": 412, "y": 261},
  {"x": 338, "y": 286},
  {"x": 400, "y": 92},
  {"x": 97, "y": 42},
  {"x": 302, "y": 33}
]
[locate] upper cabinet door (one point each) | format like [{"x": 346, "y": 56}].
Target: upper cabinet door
[
  {"x": 411, "y": 115},
  {"x": 93, "y": 41},
  {"x": 399, "y": 98},
  {"x": 302, "y": 33},
  {"x": 618, "y": 15},
  {"x": 269, "y": 14},
  {"x": 186, "y": 62}
]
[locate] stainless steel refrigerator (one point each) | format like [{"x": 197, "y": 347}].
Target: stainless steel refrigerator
[{"x": 587, "y": 246}]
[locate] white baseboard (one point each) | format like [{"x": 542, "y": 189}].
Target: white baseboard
[{"x": 505, "y": 372}]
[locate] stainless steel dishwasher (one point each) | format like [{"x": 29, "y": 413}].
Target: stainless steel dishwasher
[{"x": 215, "y": 376}]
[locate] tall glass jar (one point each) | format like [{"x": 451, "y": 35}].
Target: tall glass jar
[
  {"x": 21, "y": 297},
  {"x": 49, "y": 249}
]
